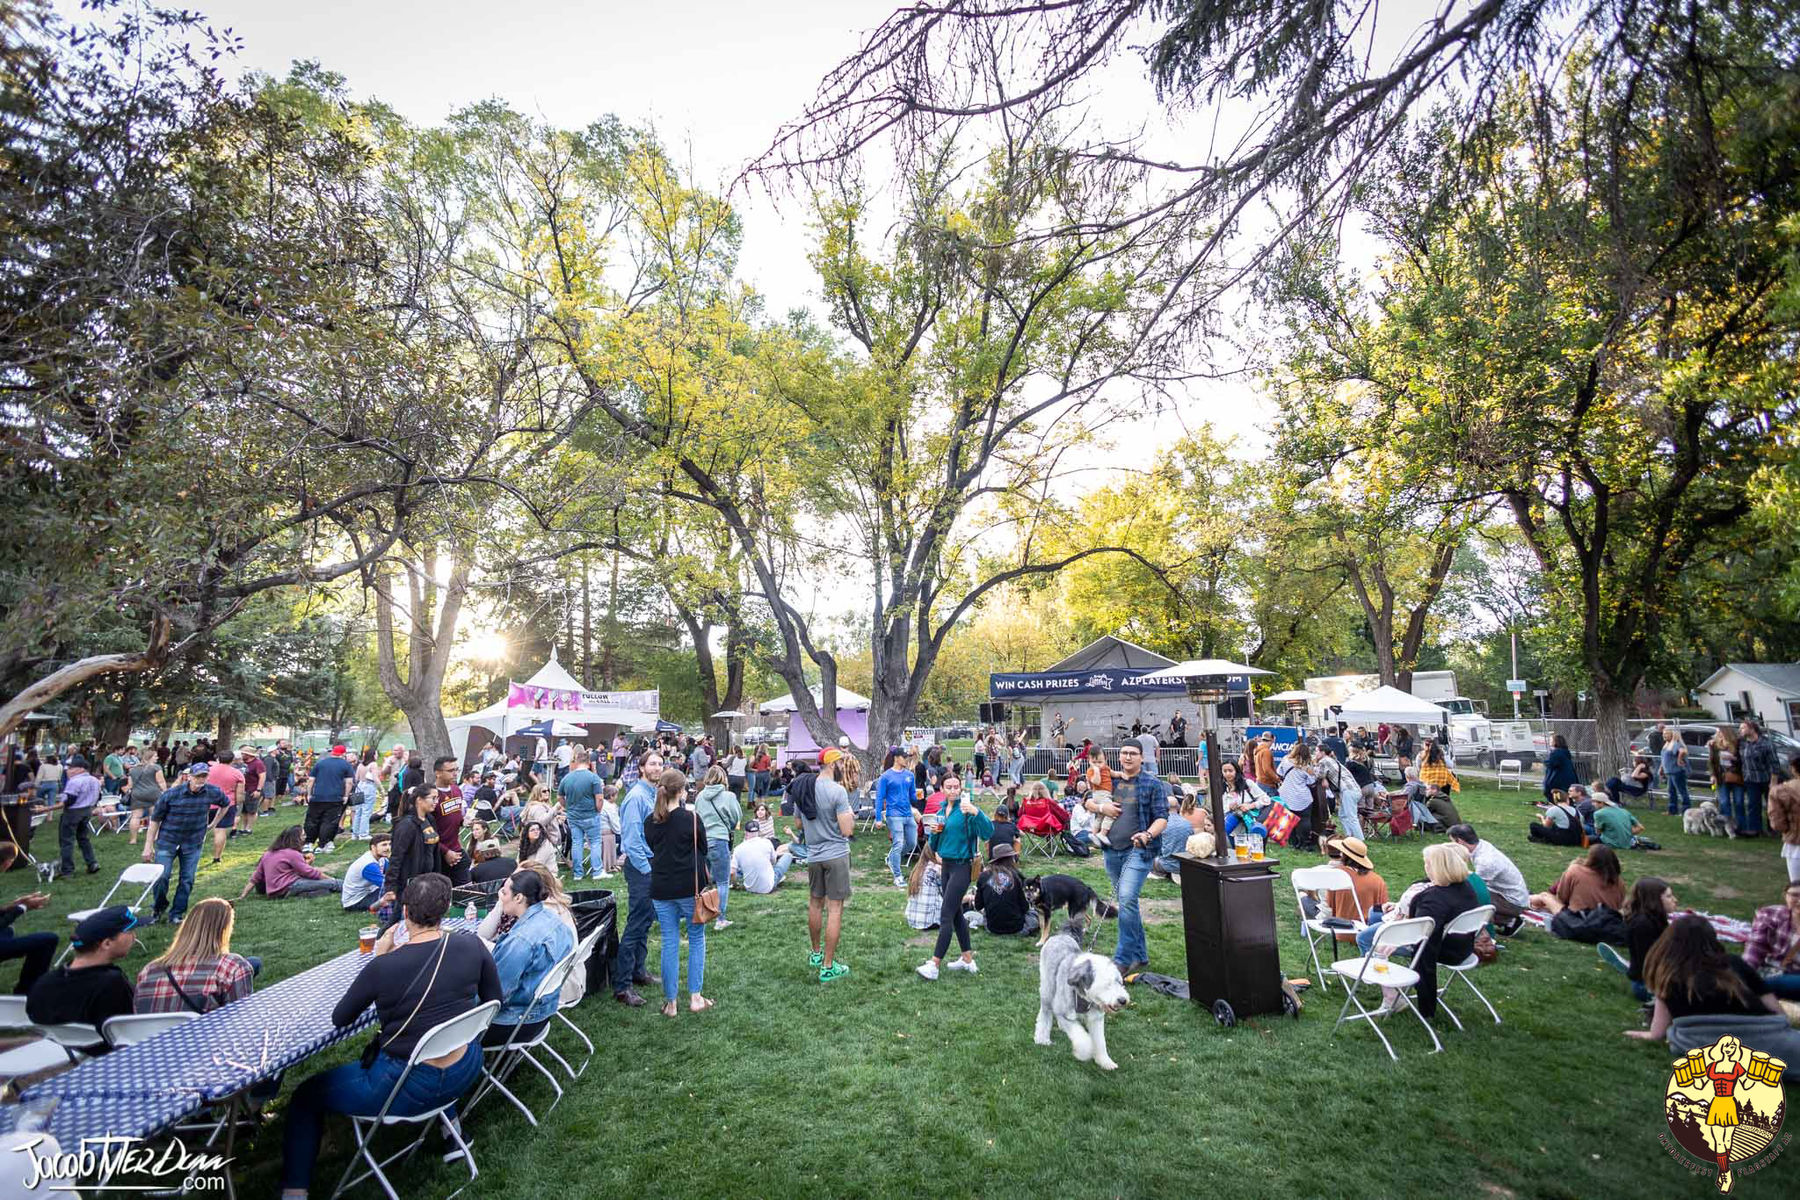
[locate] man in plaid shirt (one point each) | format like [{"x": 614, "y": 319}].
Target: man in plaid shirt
[{"x": 178, "y": 826}]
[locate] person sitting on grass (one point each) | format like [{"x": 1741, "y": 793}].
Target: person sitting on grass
[
  {"x": 1006, "y": 827},
  {"x": 1774, "y": 945},
  {"x": 364, "y": 878},
  {"x": 198, "y": 972},
  {"x": 1184, "y": 812},
  {"x": 1614, "y": 826},
  {"x": 434, "y": 977},
  {"x": 1000, "y": 895},
  {"x": 1590, "y": 883},
  {"x": 1559, "y": 824},
  {"x": 925, "y": 890},
  {"x": 37, "y": 949},
  {"x": 1690, "y": 975},
  {"x": 758, "y": 865},
  {"x": 1442, "y": 809},
  {"x": 489, "y": 866},
  {"x": 92, "y": 987},
  {"x": 283, "y": 872},
  {"x": 534, "y": 942},
  {"x": 1647, "y": 911}
]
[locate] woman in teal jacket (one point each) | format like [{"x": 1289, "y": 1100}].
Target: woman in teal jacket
[{"x": 965, "y": 828}]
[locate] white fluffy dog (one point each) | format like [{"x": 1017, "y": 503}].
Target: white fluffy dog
[
  {"x": 1077, "y": 990},
  {"x": 1705, "y": 818}
]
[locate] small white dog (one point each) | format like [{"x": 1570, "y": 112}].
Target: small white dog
[
  {"x": 1705, "y": 818},
  {"x": 1077, "y": 990}
]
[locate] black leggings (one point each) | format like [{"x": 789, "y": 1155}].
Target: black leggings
[{"x": 956, "y": 884}]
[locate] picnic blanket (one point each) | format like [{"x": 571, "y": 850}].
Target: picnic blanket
[{"x": 1729, "y": 929}]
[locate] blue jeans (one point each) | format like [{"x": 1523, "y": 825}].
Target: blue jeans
[
  {"x": 359, "y": 819},
  {"x": 1785, "y": 987},
  {"x": 1678, "y": 787},
  {"x": 357, "y": 1091},
  {"x": 1128, "y": 869},
  {"x": 718, "y": 862},
  {"x": 1348, "y": 820},
  {"x": 669, "y": 916},
  {"x": 1751, "y": 822},
  {"x": 166, "y": 854},
  {"x": 46, "y": 792},
  {"x": 634, "y": 943},
  {"x": 903, "y": 832},
  {"x": 1366, "y": 937},
  {"x": 584, "y": 835}
]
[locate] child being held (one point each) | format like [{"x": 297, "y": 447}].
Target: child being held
[{"x": 1099, "y": 777}]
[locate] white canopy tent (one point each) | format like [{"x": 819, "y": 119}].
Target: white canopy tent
[
  {"x": 852, "y": 718},
  {"x": 498, "y": 720},
  {"x": 1393, "y": 706}
]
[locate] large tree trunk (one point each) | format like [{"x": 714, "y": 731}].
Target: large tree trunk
[
  {"x": 1611, "y": 706},
  {"x": 431, "y": 635},
  {"x": 227, "y": 733}
]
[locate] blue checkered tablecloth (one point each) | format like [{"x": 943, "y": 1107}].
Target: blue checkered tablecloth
[{"x": 218, "y": 1054}]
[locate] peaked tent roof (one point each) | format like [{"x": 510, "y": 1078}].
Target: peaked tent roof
[
  {"x": 1783, "y": 677},
  {"x": 1391, "y": 704},
  {"x": 1111, "y": 651},
  {"x": 552, "y": 675},
  {"x": 846, "y": 699}
]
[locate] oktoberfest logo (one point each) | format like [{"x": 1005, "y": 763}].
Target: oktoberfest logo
[{"x": 1724, "y": 1106}]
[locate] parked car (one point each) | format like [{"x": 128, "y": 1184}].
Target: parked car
[{"x": 1699, "y": 762}]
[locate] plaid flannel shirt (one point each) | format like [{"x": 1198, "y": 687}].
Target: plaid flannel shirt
[{"x": 210, "y": 982}]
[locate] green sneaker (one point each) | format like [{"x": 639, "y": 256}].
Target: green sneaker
[
  {"x": 836, "y": 970},
  {"x": 817, "y": 960}
]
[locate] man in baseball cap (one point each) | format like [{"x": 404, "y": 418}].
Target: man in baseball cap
[
  {"x": 178, "y": 824},
  {"x": 91, "y": 987}
]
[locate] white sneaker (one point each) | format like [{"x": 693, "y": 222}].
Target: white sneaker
[
  {"x": 603, "y": 875},
  {"x": 959, "y": 964},
  {"x": 328, "y": 847},
  {"x": 899, "y": 882},
  {"x": 721, "y": 923},
  {"x": 928, "y": 970},
  {"x": 308, "y": 848}
]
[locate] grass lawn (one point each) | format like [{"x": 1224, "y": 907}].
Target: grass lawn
[{"x": 883, "y": 1085}]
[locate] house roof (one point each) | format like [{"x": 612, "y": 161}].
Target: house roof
[
  {"x": 1783, "y": 677},
  {"x": 1110, "y": 651}
]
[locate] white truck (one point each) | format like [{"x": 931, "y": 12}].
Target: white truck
[{"x": 1472, "y": 734}]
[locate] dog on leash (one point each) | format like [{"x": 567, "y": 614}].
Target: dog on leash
[
  {"x": 1076, "y": 991},
  {"x": 1047, "y": 893},
  {"x": 1705, "y": 818}
]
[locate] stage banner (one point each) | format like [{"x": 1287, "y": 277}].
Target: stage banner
[
  {"x": 525, "y": 695},
  {"x": 1099, "y": 681},
  {"x": 1285, "y": 737}
]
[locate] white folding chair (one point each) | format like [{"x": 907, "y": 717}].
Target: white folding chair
[
  {"x": 145, "y": 873},
  {"x": 437, "y": 1042},
  {"x": 512, "y": 1053},
  {"x": 1307, "y": 880},
  {"x": 29, "y": 1058},
  {"x": 1374, "y": 968},
  {"x": 582, "y": 952},
  {"x": 12, "y": 1013},
  {"x": 133, "y": 1028},
  {"x": 46, "y": 869},
  {"x": 1511, "y": 774},
  {"x": 78, "y": 1041},
  {"x": 1468, "y": 923}
]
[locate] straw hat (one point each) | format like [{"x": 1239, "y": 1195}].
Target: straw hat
[{"x": 1355, "y": 850}]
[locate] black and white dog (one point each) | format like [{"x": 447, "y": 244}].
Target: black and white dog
[
  {"x": 1076, "y": 991},
  {"x": 1047, "y": 893}
]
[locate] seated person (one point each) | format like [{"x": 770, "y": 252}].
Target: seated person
[
  {"x": 925, "y": 890},
  {"x": 1006, "y": 828},
  {"x": 1690, "y": 975},
  {"x": 1442, "y": 809},
  {"x": 1000, "y": 895},
  {"x": 489, "y": 865},
  {"x": 1368, "y": 894},
  {"x": 1081, "y": 821},
  {"x": 198, "y": 972},
  {"x": 1634, "y": 783},
  {"x": 1613, "y": 825},
  {"x": 1583, "y": 800},
  {"x": 37, "y": 949},
  {"x": 284, "y": 871},
  {"x": 1444, "y": 896},
  {"x": 1593, "y": 881},
  {"x": 535, "y": 845},
  {"x": 1184, "y": 810},
  {"x": 536, "y": 941},
  {"x": 1647, "y": 912},
  {"x": 1505, "y": 883},
  {"x": 363, "y": 878},
  {"x": 1774, "y": 945},
  {"x": 1415, "y": 793},
  {"x": 758, "y": 864},
  {"x": 91, "y": 988},
  {"x": 1245, "y": 800},
  {"x": 433, "y": 977},
  {"x": 1559, "y": 824}
]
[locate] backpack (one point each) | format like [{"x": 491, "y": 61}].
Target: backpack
[{"x": 800, "y": 794}]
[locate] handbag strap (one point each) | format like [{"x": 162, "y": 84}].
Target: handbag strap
[
  {"x": 698, "y": 857},
  {"x": 185, "y": 998},
  {"x": 443, "y": 949}
]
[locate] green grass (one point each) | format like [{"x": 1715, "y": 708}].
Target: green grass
[{"x": 885, "y": 1085}]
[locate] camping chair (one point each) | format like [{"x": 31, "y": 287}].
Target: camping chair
[
  {"x": 145, "y": 873},
  {"x": 1307, "y": 880},
  {"x": 1510, "y": 774},
  {"x": 1396, "y": 820},
  {"x": 1374, "y": 969},
  {"x": 1470, "y": 922},
  {"x": 1041, "y": 825},
  {"x": 437, "y": 1042},
  {"x": 583, "y": 950},
  {"x": 510, "y": 1054}
]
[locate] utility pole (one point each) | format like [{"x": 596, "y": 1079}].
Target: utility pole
[{"x": 1514, "y": 635}]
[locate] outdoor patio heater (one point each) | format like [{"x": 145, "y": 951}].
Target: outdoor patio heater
[{"x": 1227, "y": 903}]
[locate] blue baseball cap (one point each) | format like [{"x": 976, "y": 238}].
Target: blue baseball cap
[{"x": 108, "y": 922}]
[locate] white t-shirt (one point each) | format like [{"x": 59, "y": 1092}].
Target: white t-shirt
[
  {"x": 565, "y": 754},
  {"x": 754, "y": 859}
]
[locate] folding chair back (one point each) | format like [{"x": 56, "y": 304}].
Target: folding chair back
[
  {"x": 438, "y": 1041},
  {"x": 516, "y": 1051},
  {"x": 1470, "y": 922},
  {"x": 139, "y": 1027},
  {"x": 583, "y": 949},
  {"x": 1511, "y": 774},
  {"x": 12, "y": 1013},
  {"x": 1465, "y": 924},
  {"x": 1392, "y": 935},
  {"x": 1307, "y": 880},
  {"x": 77, "y": 1041}
]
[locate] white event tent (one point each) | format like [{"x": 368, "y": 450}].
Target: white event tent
[
  {"x": 469, "y": 733},
  {"x": 1391, "y": 705},
  {"x": 852, "y": 718}
]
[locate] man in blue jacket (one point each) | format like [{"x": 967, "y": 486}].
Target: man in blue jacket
[
  {"x": 178, "y": 826},
  {"x": 1140, "y": 809},
  {"x": 628, "y": 973},
  {"x": 894, "y": 794}
]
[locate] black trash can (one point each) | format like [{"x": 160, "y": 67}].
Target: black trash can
[{"x": 595, "y": 908}]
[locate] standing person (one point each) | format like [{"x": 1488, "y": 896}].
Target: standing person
[
  {"x": 1296, "y": 795},
  {"x": 894, "y": 795},
  {"x": 112, "y": 772},
  {"x": 822, "y": 800},
  {"x": 1059, "y": 729},
  {"x": 229, "y": 780},
  {"x": 80, "y": 792},
  {"x": 1760, "y": 766},
  {"x": 620, "y": 750},
  {"x": 367, "y": 792},
  {"x": 956, "y": 843},
  {"x": 580, "y": 791},
  {"x": 254, "y": 769},
  {"x": 758, "y": 778},
  {"x": 634, "y": 944},
  {"x": 719, "y": 814},
  {"x": 37, "y": 949},
  {"x": 1727, "y": 774},
  {"x": 48, "y": 779},
  {"x": 678, "y": 872},
  {"x": 1015, "y": 770},
  {"x": 1178, "y": 727},
  {"x": 1140, "y": 808},
  {"x": 177, "y": 830},
  {"x": 416, "y": 849},
  {"x": 736, "y": 772},
  {"x": 1784, "y": 817},
  {"x": 565, "y": 759},
  {"x": 1559, "y": 767},
  {"x": 1147, "y": 744},
  {"x": 332, "y": 778},
  {"x": 451, "y": 808},
  {"x": 1675, "y": 770},
  {"x": 1264, "y": 763}
]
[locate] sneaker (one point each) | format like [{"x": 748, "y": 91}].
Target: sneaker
[
  {"x": 899, "y": 882},
  {"x": 928, "y": 970},
  {"x": 328, "y": 848},
  {"x": 836, "y": 970},
  {"x": 309, "y": 848},
  {"x": 721, "y": 923},
  {"x": 958, "y": 964},
  {"x": 816, "y": 960},
  {"x": 603, "y": 875}
]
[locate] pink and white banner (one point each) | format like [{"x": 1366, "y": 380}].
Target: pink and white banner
[{"x": 526, "y": 695}]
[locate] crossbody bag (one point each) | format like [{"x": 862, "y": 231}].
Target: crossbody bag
[{"x": 706, "y": 899}]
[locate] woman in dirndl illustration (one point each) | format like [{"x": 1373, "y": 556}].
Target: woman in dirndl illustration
[{"x": 1727, "y": 1069}]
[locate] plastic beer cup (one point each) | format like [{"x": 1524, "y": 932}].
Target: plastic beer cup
[{"x": 365, "y": 941}]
